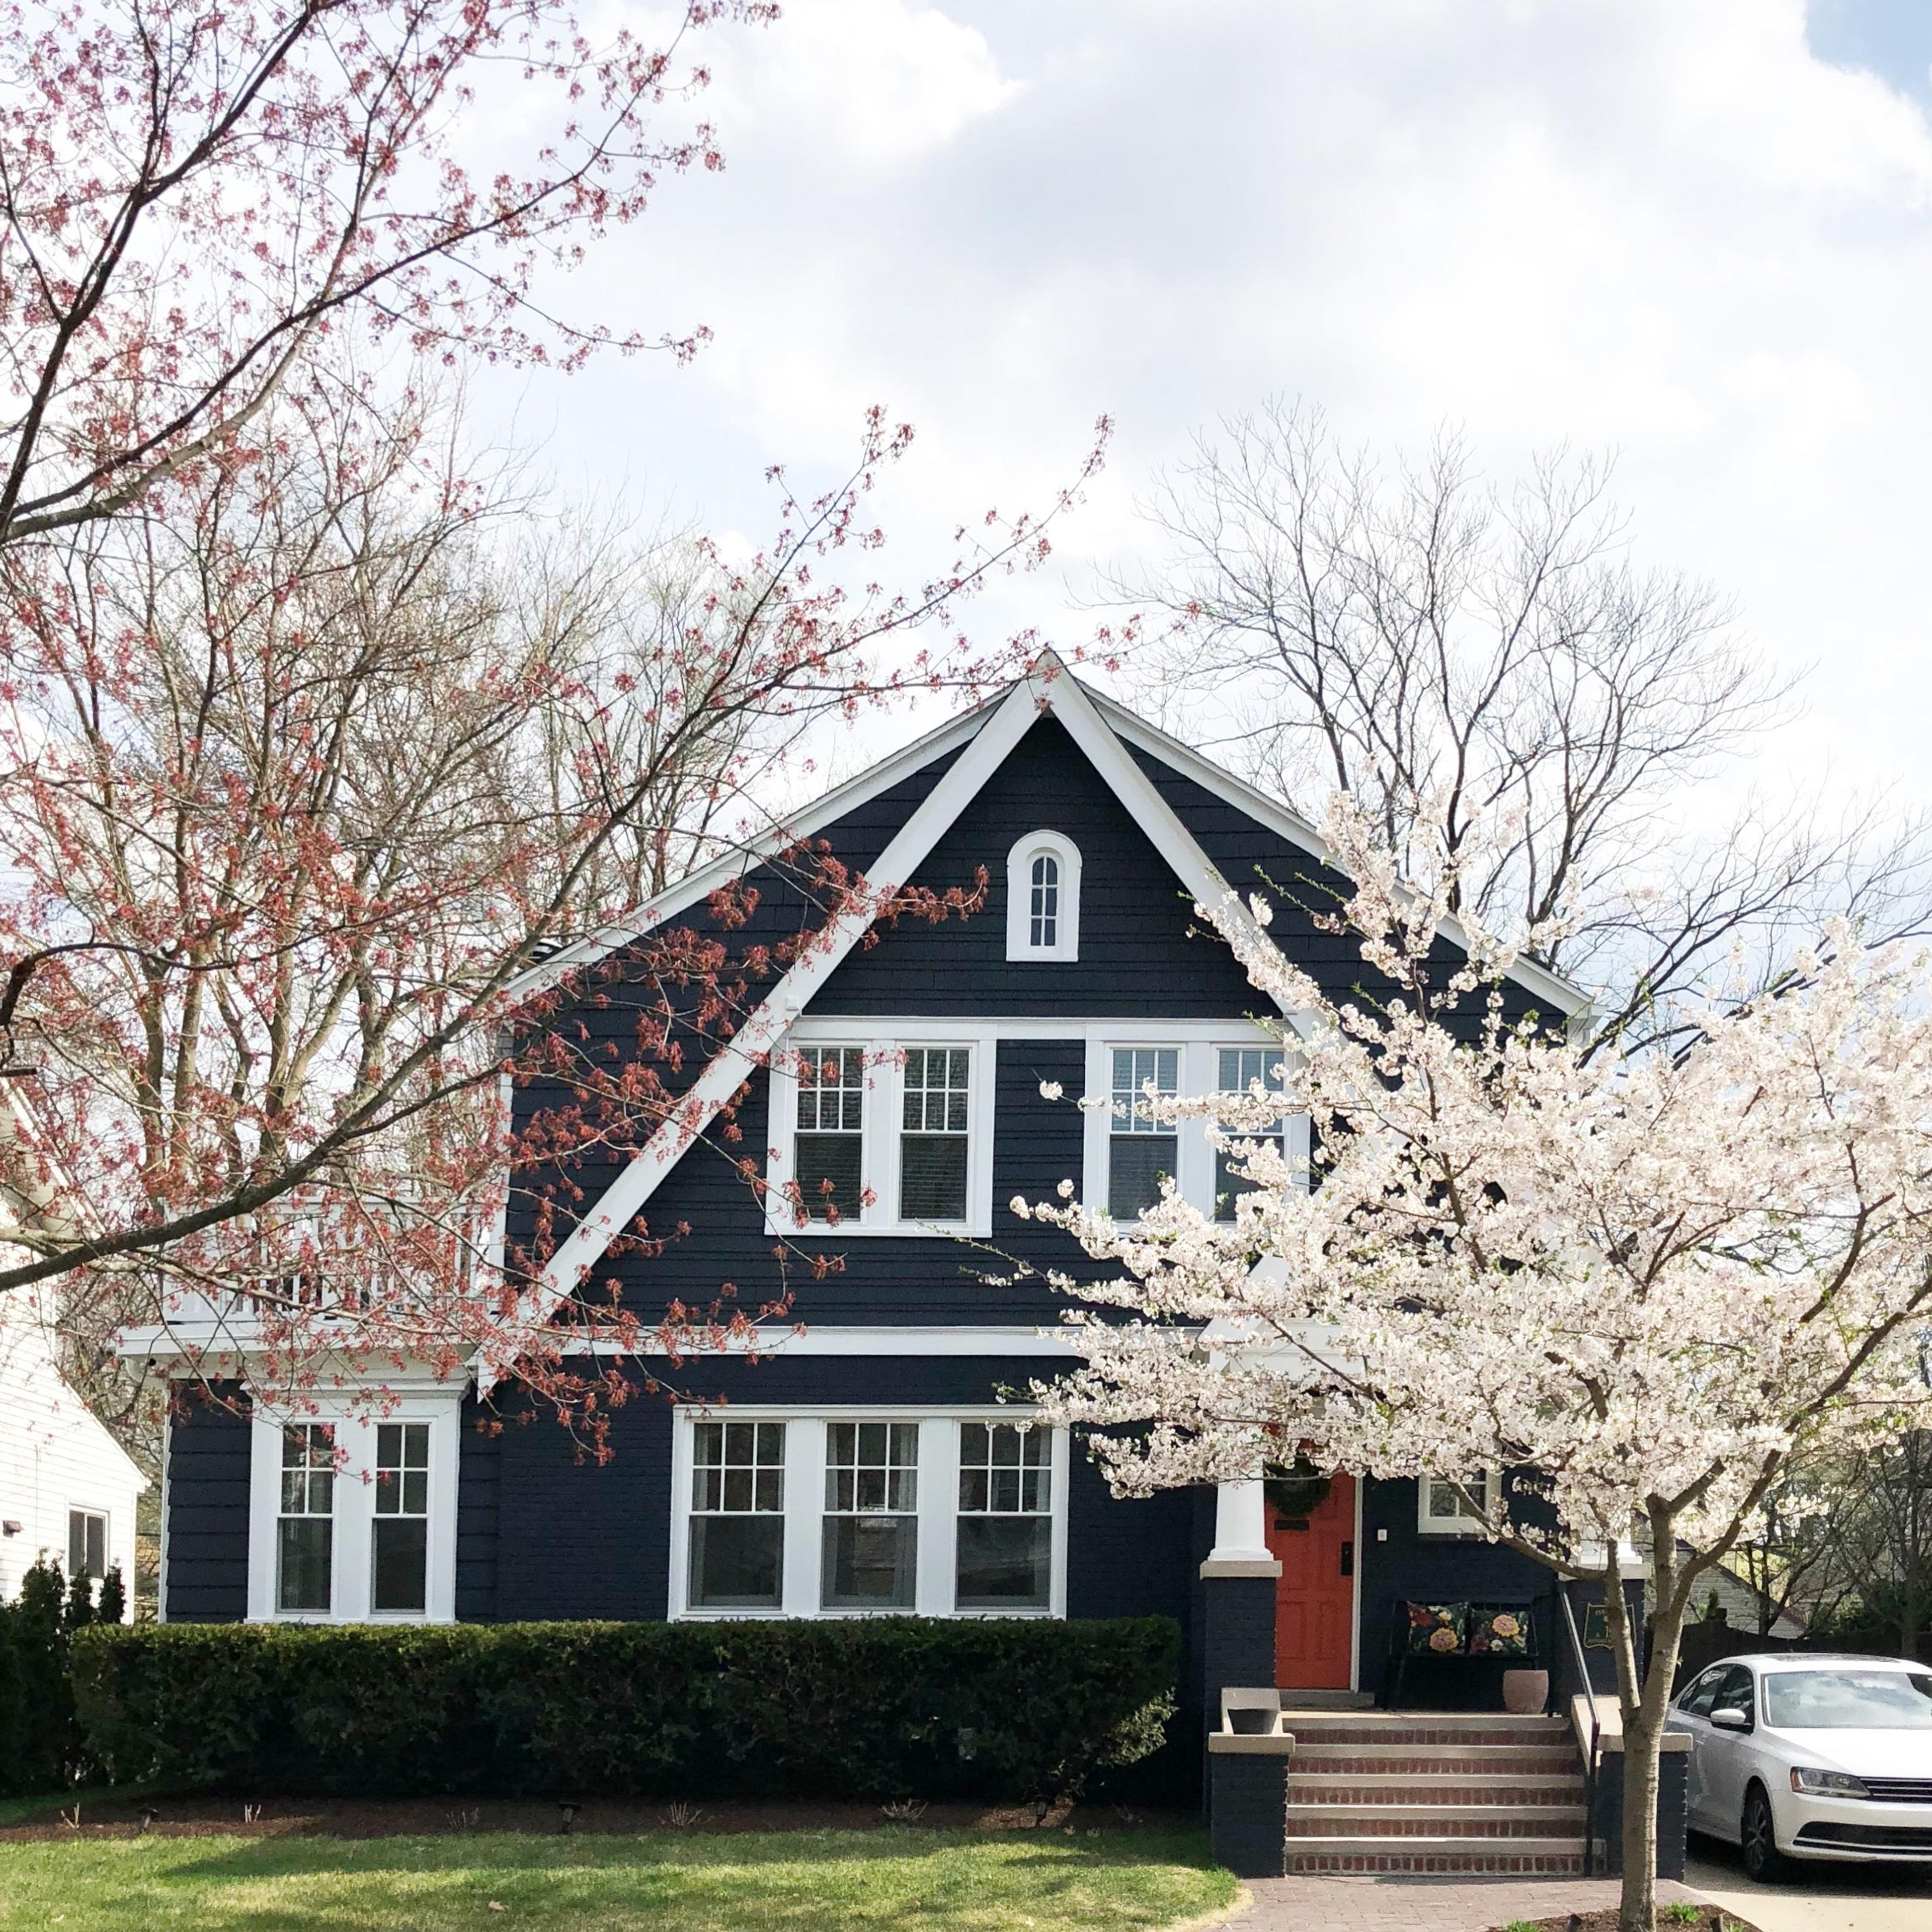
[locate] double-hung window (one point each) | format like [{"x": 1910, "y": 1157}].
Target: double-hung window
[
  {"x": 1006, "y": 1517},
  {"x": 1140, "y": 1150},
  {"x": 1241, "y": 1068},
  {"x": 935, "y": 1125},
  {"x": 305, "y": 1529},
  {"x": 737, "y": 1515},
  {"x": 827, "y": 1156},
  {"x": 399, "y": 1555},
  {"x": 871, "y": 1559},
  {"x": 86, "y": 1543}
]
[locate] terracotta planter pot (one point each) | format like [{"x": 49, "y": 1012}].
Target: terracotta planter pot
[{"x": 1525, "y": 1692}]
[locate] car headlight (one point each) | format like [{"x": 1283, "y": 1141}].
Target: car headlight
[{"x": 1837, "y": 1783}]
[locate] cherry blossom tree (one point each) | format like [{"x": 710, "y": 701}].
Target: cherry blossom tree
[{"x": 1642, "y": 1285}]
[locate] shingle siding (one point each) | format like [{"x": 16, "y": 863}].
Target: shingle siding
[{"x": 207, "y": 1578}]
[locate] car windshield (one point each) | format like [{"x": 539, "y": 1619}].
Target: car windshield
[{"x": 1849, "y": 1700}]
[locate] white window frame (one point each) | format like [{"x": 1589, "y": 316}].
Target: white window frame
[
  {"x": 1427, "y": 1525},
  {"x": 882, "y": 1113},
  {"x": 351, "y": 1579},
  {"x": 1200, "y": 1043},
  {"x": 1066, "y": 945},
  {"x": 107, "y": 1535},
  {"x": 801, "y": 1588}
]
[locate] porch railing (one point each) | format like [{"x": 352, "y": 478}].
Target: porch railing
[{"x": 1590, "y": 1756}]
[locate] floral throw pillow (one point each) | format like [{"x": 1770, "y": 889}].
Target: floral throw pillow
[
  {"x": 1436, "y": 1630},
  {"x": 1499, "y": 1633}
]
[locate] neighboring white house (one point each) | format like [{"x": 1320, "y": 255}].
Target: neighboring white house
[{"x": 68, "y": 1488}]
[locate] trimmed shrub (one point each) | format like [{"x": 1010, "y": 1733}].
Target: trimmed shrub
[{"x": 883, "y": 1707}]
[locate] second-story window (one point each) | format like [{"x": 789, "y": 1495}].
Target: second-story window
[
  {"x": 1240, "y": 1068},
  {"x": 1140, "y": 1150},
  {"x": 934, "y": 1133},
  {"x": 828, "y": 1164}
]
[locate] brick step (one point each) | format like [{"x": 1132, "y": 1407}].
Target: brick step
[
  {"x": 1360, "y": 1854},
  {"x": 1515, "y": 1791},
  {"x": 1320, "y": 1728},
  {"x": 1328, "y": 1760},
  {"x": 1434, "y": 1821}
]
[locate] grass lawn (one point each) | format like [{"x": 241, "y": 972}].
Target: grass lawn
[{"x": 903, "y": 1879}]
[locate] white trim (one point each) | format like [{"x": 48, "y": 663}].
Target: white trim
[
  {"x": 801, "y": 1585},
  {"x": 1065, "y": 854},
  {"x": 1361, "y": 1483},
  {"x": 167, "y": 1510},
  {"x": 1198, "y": 1043},
  {"x": 355, "y": 1504},
  {"x": 1464, "y": 1526},
  {"x": 885, "y": 1044},
  {"x": 923, "y": 1344}
]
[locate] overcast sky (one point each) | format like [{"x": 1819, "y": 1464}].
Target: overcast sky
[{"x": 1700, "y": 231}]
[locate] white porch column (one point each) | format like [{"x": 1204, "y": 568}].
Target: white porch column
[{"x": 1241, "y": 1532}]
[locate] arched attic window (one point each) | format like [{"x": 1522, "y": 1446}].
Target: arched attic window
[{"x": 1043, "y": 898}]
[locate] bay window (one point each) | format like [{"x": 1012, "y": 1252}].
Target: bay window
[{"x": 305, "y": 1531}]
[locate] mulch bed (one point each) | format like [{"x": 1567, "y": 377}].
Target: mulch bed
[
  {"x": 1709, "y": 1919},
  {"x": 208, "y": 1816}
]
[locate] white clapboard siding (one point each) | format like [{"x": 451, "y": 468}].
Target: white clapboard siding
[{"x": 54, "y": 1455}]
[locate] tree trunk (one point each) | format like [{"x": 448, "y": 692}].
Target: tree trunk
[{"x": 1644, "y": 1697}]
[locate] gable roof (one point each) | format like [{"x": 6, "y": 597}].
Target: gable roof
[{"x": 981, "y": 739}]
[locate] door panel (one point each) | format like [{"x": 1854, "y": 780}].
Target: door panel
[{"x": 1315, "y": 1601}]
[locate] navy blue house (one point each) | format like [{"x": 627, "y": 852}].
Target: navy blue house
[{"x": 881, "y": 1458}]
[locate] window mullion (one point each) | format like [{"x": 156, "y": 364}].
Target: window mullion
[
  {"x": 938, "y": 1524},
  {"x": 804, "y": 1511}
]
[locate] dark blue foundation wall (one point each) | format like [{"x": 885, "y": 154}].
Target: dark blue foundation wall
[
  {"x": 543, "y": 1534},
  {"x": 1400, "y": 1564}
]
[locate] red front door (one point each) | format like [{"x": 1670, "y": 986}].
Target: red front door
[{"x": 1315, "y": 1601}]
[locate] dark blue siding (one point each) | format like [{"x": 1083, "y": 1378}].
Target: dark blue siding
[
  {"x": 1435, "y": 1569},
  {"x": 207, "y": 1579},
  {"x": 579, "y": 1541},
  {"x": 479, "y": 1464}
]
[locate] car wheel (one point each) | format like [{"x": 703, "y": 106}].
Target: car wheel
[{"x": 1762, "y": 1859}]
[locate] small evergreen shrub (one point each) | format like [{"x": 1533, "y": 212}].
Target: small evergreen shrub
[
  {"x": 42, "y": 1747},
  {"x": 877, "y": 1707}
]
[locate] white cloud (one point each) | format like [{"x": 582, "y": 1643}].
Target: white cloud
[{"x": 1660, "y": 224}]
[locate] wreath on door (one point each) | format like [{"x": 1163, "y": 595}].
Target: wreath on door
[{"x": 1297, "y": 1489}]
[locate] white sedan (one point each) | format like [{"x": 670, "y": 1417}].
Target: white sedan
[{"x": 1811, "y": 1756}]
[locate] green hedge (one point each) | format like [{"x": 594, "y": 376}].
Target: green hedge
[{"x": 888, "y": 1707}]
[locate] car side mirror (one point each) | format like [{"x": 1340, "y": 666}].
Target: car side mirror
[{"x": 1730, "y": 1718}]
